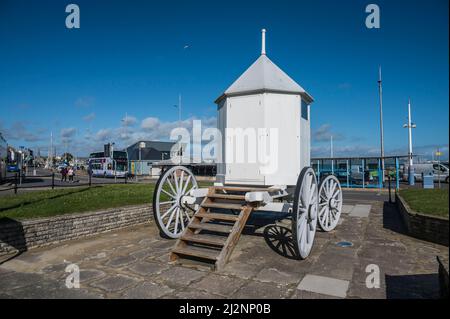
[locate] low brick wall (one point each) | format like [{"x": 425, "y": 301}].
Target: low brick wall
[
  {"x": 422, "y": 226},
  {"x": 23, "y": 235}
]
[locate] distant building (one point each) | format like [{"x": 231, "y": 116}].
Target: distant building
[{"x": 142, "y": 154}]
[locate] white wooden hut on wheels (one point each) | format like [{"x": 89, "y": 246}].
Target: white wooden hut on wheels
[
  {"x": 207, "y": 222},
  {"x": 266, "y": 97}
]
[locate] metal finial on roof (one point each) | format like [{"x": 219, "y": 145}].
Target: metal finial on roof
[{"x": 263, "y": 44}]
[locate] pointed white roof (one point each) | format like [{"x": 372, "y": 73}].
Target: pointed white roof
[{"x": 264, "y": 75}]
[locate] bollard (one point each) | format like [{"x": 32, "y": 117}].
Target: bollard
[
  {"x": 90, "y": 182},
  {"x": 411, "y": 175},
  {"x": 53, "y": 180},
  {"x": 15, "y": 183}
]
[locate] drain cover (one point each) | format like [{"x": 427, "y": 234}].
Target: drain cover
[{"x": 345, "y": 244}]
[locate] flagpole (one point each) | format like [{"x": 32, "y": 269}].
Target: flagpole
[{"x": 380, "y": 91}]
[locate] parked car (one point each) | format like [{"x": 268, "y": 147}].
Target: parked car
[{"x": 439, "y": 171}]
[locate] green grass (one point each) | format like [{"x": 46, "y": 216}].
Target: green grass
[
  {"x": 427, "y": 201},
  {"x": 65, "y": 201},
  {"x": 75, "y": 200}
]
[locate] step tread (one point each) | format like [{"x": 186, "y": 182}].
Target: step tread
[
  {"x": 228, "y": 196},
  {"x": 241, "y": 189},
  {"x": 211, "y": 227},
  {"x": 205, "y": 239},
  {"x": 199, "y": 252},
  {"x": 217, "y": 216},
  {"x": 223, "y": 205}
]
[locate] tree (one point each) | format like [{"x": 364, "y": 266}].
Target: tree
[{"x": 67, "y": 157}]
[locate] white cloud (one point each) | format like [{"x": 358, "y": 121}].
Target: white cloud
[
  {"x": 324, "y": 133},
  {"x": 90, "y": 117},
  {"x": 150, "y": 123},
  {"x": 103, "y": 135},
  {"x": 129, "y": 120},
  {"x": 22, "y": 131},
  {"x": 68, "y": 132}
]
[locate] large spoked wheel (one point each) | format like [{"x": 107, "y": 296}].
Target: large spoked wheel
[
  {"x": 171, "y": 215},
  {"x": 304, "y": 213},
  {"x": 330, "y": 203}
]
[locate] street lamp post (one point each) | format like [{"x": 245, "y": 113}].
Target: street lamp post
[
  {"x": 410, "y": 126},
  {"x": 141, "y": 146}
]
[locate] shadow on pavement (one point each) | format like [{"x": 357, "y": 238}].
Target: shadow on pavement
[
  {"x": 279, "y": 239},
  {"x": 12, "y": 235},
  {"x": 424, "y": 286},
  {"x": 392, "y": 219}
]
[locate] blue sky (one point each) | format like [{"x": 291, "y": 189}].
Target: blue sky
[{"x": 137, "y": 56}]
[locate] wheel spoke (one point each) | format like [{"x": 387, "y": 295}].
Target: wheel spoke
[
  {"x": 168, "y": 202},
  {"x": 168, "y": 194},
  {"x": 176, "y": 182},
  {"x": 333, "y": 188},
  {"x": 327, "y": 188},
  {"x": 322, "y": 213},
  {"x": 313, "y": 193},
  {"x": 336, "y": 193},
  {"x": 181, "y": 181},
  {"x": 187, "y": 215},
  {"x": 168, "y": 211},
  {"x": 171, "y": 217},
  {"x": 302, "y": 234},
  {"x": 171, "y": 186},
  {"x": 177, "y": 218},
  {"x": 186, "y": 185}
]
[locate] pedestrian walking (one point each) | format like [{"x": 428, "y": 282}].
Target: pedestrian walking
[
  {"x": 70, "y": 172},
  {"x": 63, "y": 174}
]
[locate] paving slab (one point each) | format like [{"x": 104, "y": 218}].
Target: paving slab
[
  {"x": 277, "y": 276},
  {"x": 219, "y": 285},
  {"x": 361, "y": 211},
  {"x": 146, "y": 268},
  {"x": 346, "y": 209},
  {"x": 87, "y": 275},
  {"x": 120, "y": 261},
  {"x": 178, "y": 276},
  {"x": 324, "y": 285},
  {"x": 241, "y": 269},
  {"x": 114, "y": 283},
  {"x": 147, "y": 290},
  {"x": 189, "y": 293},
  {"x": 262, "y": 290}
]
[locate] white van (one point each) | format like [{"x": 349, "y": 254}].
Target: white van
[{"x": 440, "y": 171}]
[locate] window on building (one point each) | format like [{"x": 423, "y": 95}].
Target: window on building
[{"x": 304, "y": 110}]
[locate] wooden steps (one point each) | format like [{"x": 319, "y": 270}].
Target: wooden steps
[
  {"x": 228, "y": 196},
  {"x": 205, "y": 239},
  {"x": 219, "y": 228},
  {"x": 211, "y": 235},
  {"x": 223, "y": 206},
  {"x": 217, "y": 216},
  {"x": 197, "y": 252}
]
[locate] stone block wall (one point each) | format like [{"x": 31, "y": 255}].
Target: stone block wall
[
  {"x": 23, "y": 235},
  {"x": 422, "y": 226}
]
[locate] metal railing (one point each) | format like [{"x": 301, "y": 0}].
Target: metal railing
[{"x": 22, "y": 181}]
